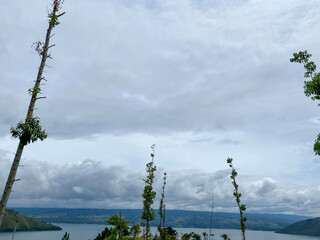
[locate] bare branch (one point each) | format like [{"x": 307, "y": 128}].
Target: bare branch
[
  {"x": 61, "y": 14},
  {"x": 40, "y": 97}
]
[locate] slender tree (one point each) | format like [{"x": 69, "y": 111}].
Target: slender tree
[
  {"x": 237, "y": 196},
  {"x": 148, "y": 194},
  {"x": 160, "y": 226},
  {"x": 311, "y": 88},
  {"x": 30, "y": 130},
  {"x": 211, "y": 219}
]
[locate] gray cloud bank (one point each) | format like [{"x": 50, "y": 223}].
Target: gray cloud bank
[
  {"x": 96, "y": 185},
  {"x": 136, "y": 66}
]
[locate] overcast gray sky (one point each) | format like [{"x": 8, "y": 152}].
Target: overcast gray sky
[{"x": 203, "y": 80}]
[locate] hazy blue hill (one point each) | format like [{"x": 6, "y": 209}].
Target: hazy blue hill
[
  {"x": 306, "y": 227},
  {"x": 175, "y": 218},
  {"x": 24, "y": 223}
]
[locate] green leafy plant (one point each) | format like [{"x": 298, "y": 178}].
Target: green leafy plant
[
  {"x": 312, "y": 87},
  {"x": 191, "y": 236},
  {"x": 29, "y": 131},
  {"x": 237, "y": 196},
  {"x": 120, "y": 225},
  {"x": 170, "y": 233},
  {"x": 135, "y": 231},
  {"x": 225, "y": 237},
  {"x": 53, "y": 16},
  {"x": 104, "y": 234},
  {"x": 148, "y": 195},
  {"x": 66, "y": 236}
]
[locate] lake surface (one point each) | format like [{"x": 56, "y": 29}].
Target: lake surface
[{"x": 90, "y": 231}]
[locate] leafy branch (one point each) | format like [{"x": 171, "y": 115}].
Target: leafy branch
[
  {"x": 312, "y": 87},
  {"x": 29, "y": 131}
]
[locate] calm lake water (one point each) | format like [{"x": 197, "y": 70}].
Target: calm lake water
[{"x": 90, "y": 231}]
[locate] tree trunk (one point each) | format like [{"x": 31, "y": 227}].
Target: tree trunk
[
  {"x": 15, "y": 164},
  {"x": 10, "y": 181}
]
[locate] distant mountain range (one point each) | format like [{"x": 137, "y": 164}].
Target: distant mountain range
[
  {"x": 11, "y": 218},
  {"x": 174, "y": 218},
  {"x": 306, "y": 227}
]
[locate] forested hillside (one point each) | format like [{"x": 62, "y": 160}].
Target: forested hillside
[{"x": 11, "y": 218}]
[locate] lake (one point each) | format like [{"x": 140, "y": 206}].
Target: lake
[{"x": 90, "y": 231}]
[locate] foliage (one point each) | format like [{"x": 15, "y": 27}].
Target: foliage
[
  {"x": 225, "y": 237},
  {"x": 120, "y": 225},
  {"x": 237, "y": 195},
  {"x": 53, "y": 17},
  {"x": 207, "y": 236},
  {"x": 34, "y": 90},
  {"x": 119, "y": 231},
  {"x": 148, "y": 194},
  {"x": 191, "y": 236},
  {"x": 29, "y": 131},
  {"x": 312, "y": 87},
  {"x": 66, "y": 236},
  {"x": 135, "y": 231},
  {"x": 104, "y": 234},
  {"x": 170, "y": 233}
]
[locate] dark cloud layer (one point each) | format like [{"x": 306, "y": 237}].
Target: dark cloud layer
[{"x": 93, "y": 184}]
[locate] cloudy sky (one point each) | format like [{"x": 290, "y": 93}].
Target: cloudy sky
[{"x": 202, "y": 79}]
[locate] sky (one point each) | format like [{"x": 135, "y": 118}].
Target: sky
[{"x": 203, "y": 80}]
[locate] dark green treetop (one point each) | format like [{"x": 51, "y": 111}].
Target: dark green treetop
[{"x": 121, "y": 225}]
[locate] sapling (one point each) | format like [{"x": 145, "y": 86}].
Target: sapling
[
  {"x": 237, "y": 196},
  {"x": 148, "y": 194},
  {"x": 120, "y": 225},
  {"x": 160, "y": 226},
  {"x": 30, "y": 130}
]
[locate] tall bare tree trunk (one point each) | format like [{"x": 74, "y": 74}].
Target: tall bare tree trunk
[{"x": 43, "y": 52}]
